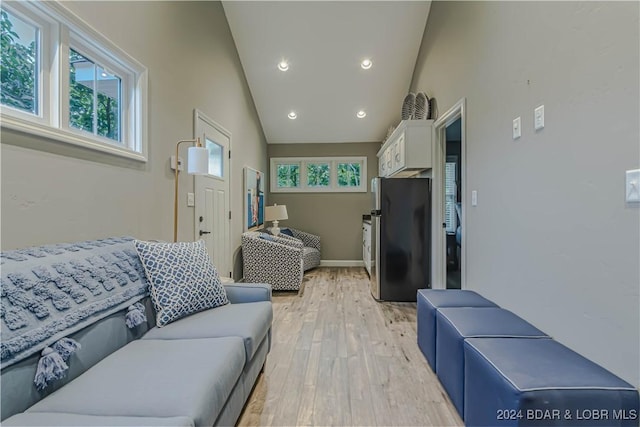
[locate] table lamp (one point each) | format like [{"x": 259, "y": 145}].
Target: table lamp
[{"x": 275, "y": 213}]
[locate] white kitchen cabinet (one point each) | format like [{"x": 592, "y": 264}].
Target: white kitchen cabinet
[{"x": 408, "y": 150}]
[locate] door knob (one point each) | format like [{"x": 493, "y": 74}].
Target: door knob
[{"x": 204, "y": 232}]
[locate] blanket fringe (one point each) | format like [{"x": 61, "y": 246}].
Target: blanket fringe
[
  {"x": 51, "y": 367},
  {"x": 135, "y": 316}
]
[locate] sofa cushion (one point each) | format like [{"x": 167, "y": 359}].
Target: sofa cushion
[
  {"x": 182, "y": 279},
  {"x": 156, "y": 378},
  {"x": 249, "y": 321},
  {"x": 46, "y": 419}
]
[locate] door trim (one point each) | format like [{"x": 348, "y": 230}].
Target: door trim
[
  {"x": 439, "y": 244},
  {"x": 199, "y": 115}
]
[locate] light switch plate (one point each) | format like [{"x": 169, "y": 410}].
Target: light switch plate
[
  {"x": 632, "y": 186},
  {"x": 538, "y": 118},
  {"x": 191, "y": 199},
  {"x": 517, "y": 128},
  {"x": 474, "y": 198}
]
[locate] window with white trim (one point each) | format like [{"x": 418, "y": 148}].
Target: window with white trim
[
  {"x": 450, "y": 191},
  {"x": 63, "y": 80},
  {"x": 318, "y": 174}
]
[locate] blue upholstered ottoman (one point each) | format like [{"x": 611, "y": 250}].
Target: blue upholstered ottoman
[
  {"x": 429, "y": 300},
  {"x": 534, "y": 382},
  {"x": 453, "y": 325}
]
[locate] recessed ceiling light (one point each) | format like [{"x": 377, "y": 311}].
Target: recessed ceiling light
[
  {"x": 361, "y": 114},
  {"x": 283, "y": 66},
  {"x": 366, "y": 64},
  {"x": 292, "y": 115}
]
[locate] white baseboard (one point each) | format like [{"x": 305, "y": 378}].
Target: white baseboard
[{"x": 341, "y": 263}]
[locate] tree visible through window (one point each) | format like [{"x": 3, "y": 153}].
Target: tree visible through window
[
  {"x": 318, "y": 174},
  {"x": 20, "y": 54},
  {"x": 288, "y": 175},
  {"x": 84, "y": 101},
  {"x": 349, "y": 174}
]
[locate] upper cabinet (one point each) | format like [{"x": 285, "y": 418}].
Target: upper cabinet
[{"x": 408, "y": 150}]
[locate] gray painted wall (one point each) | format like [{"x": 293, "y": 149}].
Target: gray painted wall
[
  {"x": 54, "y": 193},
  {"x": 335, "y": 217},
  {"x": 551, "y": 238}
]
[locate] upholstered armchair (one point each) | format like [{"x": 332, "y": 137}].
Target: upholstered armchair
[{"x": 279, "y": 260}]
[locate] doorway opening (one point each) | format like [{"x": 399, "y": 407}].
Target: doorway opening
[
  {"x": 449, "y": 186},
  {"x": 453, "y": 203}
]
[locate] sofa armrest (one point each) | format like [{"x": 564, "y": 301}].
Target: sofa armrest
[
  {"x": 308, "y": 239},
  {"x": 239, "y": 293}
]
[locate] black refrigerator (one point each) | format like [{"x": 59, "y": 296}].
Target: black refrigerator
[{"x": 401, "y": 224}]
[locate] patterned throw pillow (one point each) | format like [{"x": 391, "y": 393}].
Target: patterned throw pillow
[{"x": 182, "y": 279}]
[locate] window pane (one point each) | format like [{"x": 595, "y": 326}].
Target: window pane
[
  {"x": 82, "y": 73},
  {"x": 20, "y": 53},
  {"x": 108, "y": 104},
  {"x": 450, "y": 197},
  {"x": 349, "y": 174},
  {"x": 318, "y": 174},
  {"x": 288, "y": 175},
  {"x": 215, "y": 158},
  {"x": 84, "y": 76}
]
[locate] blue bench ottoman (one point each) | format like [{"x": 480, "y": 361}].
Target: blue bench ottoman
[
  {"x": 454, "y": 325},
  {"x": 533, "y": 382},
  {"x": 429, "y": 300}
]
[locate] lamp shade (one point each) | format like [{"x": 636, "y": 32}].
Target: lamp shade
[
  {"x": 198, "y": 161},
  {"x": 275, "y": 213}
]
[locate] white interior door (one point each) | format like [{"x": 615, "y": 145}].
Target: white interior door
[{"x": 213, "y": 216}]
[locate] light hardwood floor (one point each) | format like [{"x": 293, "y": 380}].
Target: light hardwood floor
[{"x": 340, "y": 358}]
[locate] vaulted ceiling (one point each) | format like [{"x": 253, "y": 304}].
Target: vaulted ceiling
[{"x": 323, "y": 44}]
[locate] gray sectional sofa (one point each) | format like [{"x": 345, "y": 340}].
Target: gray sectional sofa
[{"x": 199, "y": 370}]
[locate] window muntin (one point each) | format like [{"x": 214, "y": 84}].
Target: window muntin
[
  {"x": 116, "y": 120},
  {"x": 319, "y": 174},
  {"x": 20, "y": 63}
]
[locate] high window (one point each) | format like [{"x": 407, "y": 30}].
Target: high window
[
  {"x": 63, "y": 80},
  {"x": 318, "y": 174}
]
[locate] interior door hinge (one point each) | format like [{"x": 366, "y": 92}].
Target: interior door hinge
[
  {"x": 229, "y": 214},
  {"x": 229, "y": 153}
]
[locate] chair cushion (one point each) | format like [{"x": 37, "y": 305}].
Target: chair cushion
[
  {"x": 46, "y": 419},
  {"x": 249, "y": 321},
  {"x": 310, "y": 258},
  {"x": 182, "y": 279},
  {"x": 156, "y": 378}
]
